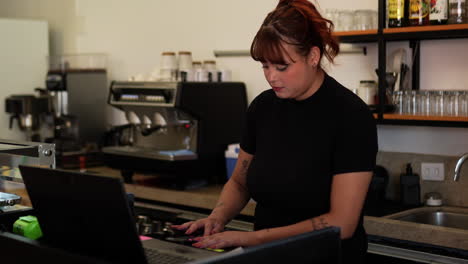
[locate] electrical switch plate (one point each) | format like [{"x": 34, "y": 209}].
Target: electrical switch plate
[{"x": 432, "y": 171}]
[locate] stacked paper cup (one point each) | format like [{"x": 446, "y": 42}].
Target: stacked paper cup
[
  {"x": 210, "y": 67},
  {"x": 196, "y": 65},
  {"x": 186, "y": 71},
  {"x": 168, "y": 70},
  {"x": 224, "y": 75},
  {"x": 201, "y": 74}
]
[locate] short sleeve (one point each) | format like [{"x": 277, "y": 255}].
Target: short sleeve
[
  {"x": 356, "y": 142},
  {"x": 248, "y": 140}
]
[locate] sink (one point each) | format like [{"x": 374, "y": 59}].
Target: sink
[
  {"x": 437, "y": 217},
  {"x": 445, "y": 226}
]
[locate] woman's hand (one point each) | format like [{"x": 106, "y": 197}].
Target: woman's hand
[
  {"x": 209, "y": 225},
  {"x": 227, "y": 239}
]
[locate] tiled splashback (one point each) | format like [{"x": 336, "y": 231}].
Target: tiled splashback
[{"x": 453, "y": 193}]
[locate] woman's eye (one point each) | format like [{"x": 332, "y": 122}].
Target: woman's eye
[
  {"x": 282, "y": 67},
  {"x": 264, "y": 66}
]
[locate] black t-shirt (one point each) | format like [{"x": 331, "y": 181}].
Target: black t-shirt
[{"x": 298, "y": 146}]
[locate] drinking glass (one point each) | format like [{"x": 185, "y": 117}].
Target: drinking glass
[
  {"x": 463, "y": 106},
  {"x": 448, "y": 106},
  {"x": 414, "y": 108},
  {"x": 398, "y": 101},
  {"x": 333, "y": 15},
  {"x": 433, "y": 100},
  {"x": 363, "y": 19},
  {"x": 346, "y": 20},
  {"x": 455, "y": 103},
  {"x": 407, "y": 102},
  {"x": 375, "y": 19},
  {"x": 425, "y": 103},
  {"x": 439, "y": 108}
]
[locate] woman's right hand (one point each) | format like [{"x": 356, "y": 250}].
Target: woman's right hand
[{"x": 209, "y": 225}]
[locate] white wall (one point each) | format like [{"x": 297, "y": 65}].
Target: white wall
[
  {"x": 134, "y": 33},
  {"x": 59, "y": 14}
]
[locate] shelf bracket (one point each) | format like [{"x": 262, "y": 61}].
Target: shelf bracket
[
  {"x": 415, "y": 45},
  {"x": 231, "y": 53}
]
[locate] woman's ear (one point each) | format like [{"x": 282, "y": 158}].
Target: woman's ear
[{"x": 314, "y": 56}]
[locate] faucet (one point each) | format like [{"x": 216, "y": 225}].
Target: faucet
[{"x": 459, "y": 165}]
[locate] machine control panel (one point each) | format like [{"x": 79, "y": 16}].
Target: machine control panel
[{"x": 143, "y": 93}]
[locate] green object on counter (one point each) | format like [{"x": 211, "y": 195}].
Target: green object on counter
[{"x": 27, "y": 226}]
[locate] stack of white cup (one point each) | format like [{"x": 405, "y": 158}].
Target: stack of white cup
[
  {"x": 201, "y": 74},
  {"x": 224, "y": 75},
  {"x": 211, "y": 72},
  {"x": 168, "y": 70},
  {"x": 186, "y": 71}
]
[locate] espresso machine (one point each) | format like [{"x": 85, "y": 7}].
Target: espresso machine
[{"x": 177, "y": 130}]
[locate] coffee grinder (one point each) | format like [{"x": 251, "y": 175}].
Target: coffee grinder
[{"x": 77, "y": 86}]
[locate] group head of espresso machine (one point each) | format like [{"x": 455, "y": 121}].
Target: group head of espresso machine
[{"x": 177, "y": 130}]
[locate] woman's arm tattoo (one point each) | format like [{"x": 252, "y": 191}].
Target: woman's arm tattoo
[
  {"x": 220, "y": 204},
  {"x": 245, "y": 166},
  {"x": 319, "y": 223}
]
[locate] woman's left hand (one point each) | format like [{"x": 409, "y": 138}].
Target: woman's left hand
[{"x": 226, "y": 239}]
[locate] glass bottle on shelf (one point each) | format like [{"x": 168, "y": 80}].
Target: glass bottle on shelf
[
  {"x": 439, "y": 12},
  {"x": 457, "y": 12},
  {"x": 397, "y": 13},
  {"x": 419, "y": 12}
]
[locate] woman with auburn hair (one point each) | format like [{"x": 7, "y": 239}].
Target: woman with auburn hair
[{"x": 309, "y": 145}]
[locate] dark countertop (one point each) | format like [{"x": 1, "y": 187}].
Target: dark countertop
[{"x": 379, "y": 227}]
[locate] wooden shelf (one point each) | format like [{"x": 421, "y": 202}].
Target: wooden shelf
[
  {"x": 420, "y": 120},
  {"x": 405, "y": 33},
  {"x": 425, "y": 28},
  {"x": 425, "y": 118},
  {"x": 355, "y": 33},
  {"x": 426, "y": 32},
  {"x": 357, "y": 36}
]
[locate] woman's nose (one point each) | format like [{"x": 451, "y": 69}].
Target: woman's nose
[{"x": 270, "y": 76}]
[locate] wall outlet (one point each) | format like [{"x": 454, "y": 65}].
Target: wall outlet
[{"x": 432, "y": 171}]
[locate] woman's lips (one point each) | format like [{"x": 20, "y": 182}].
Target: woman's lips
[{"x": 277, "y": 89}]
